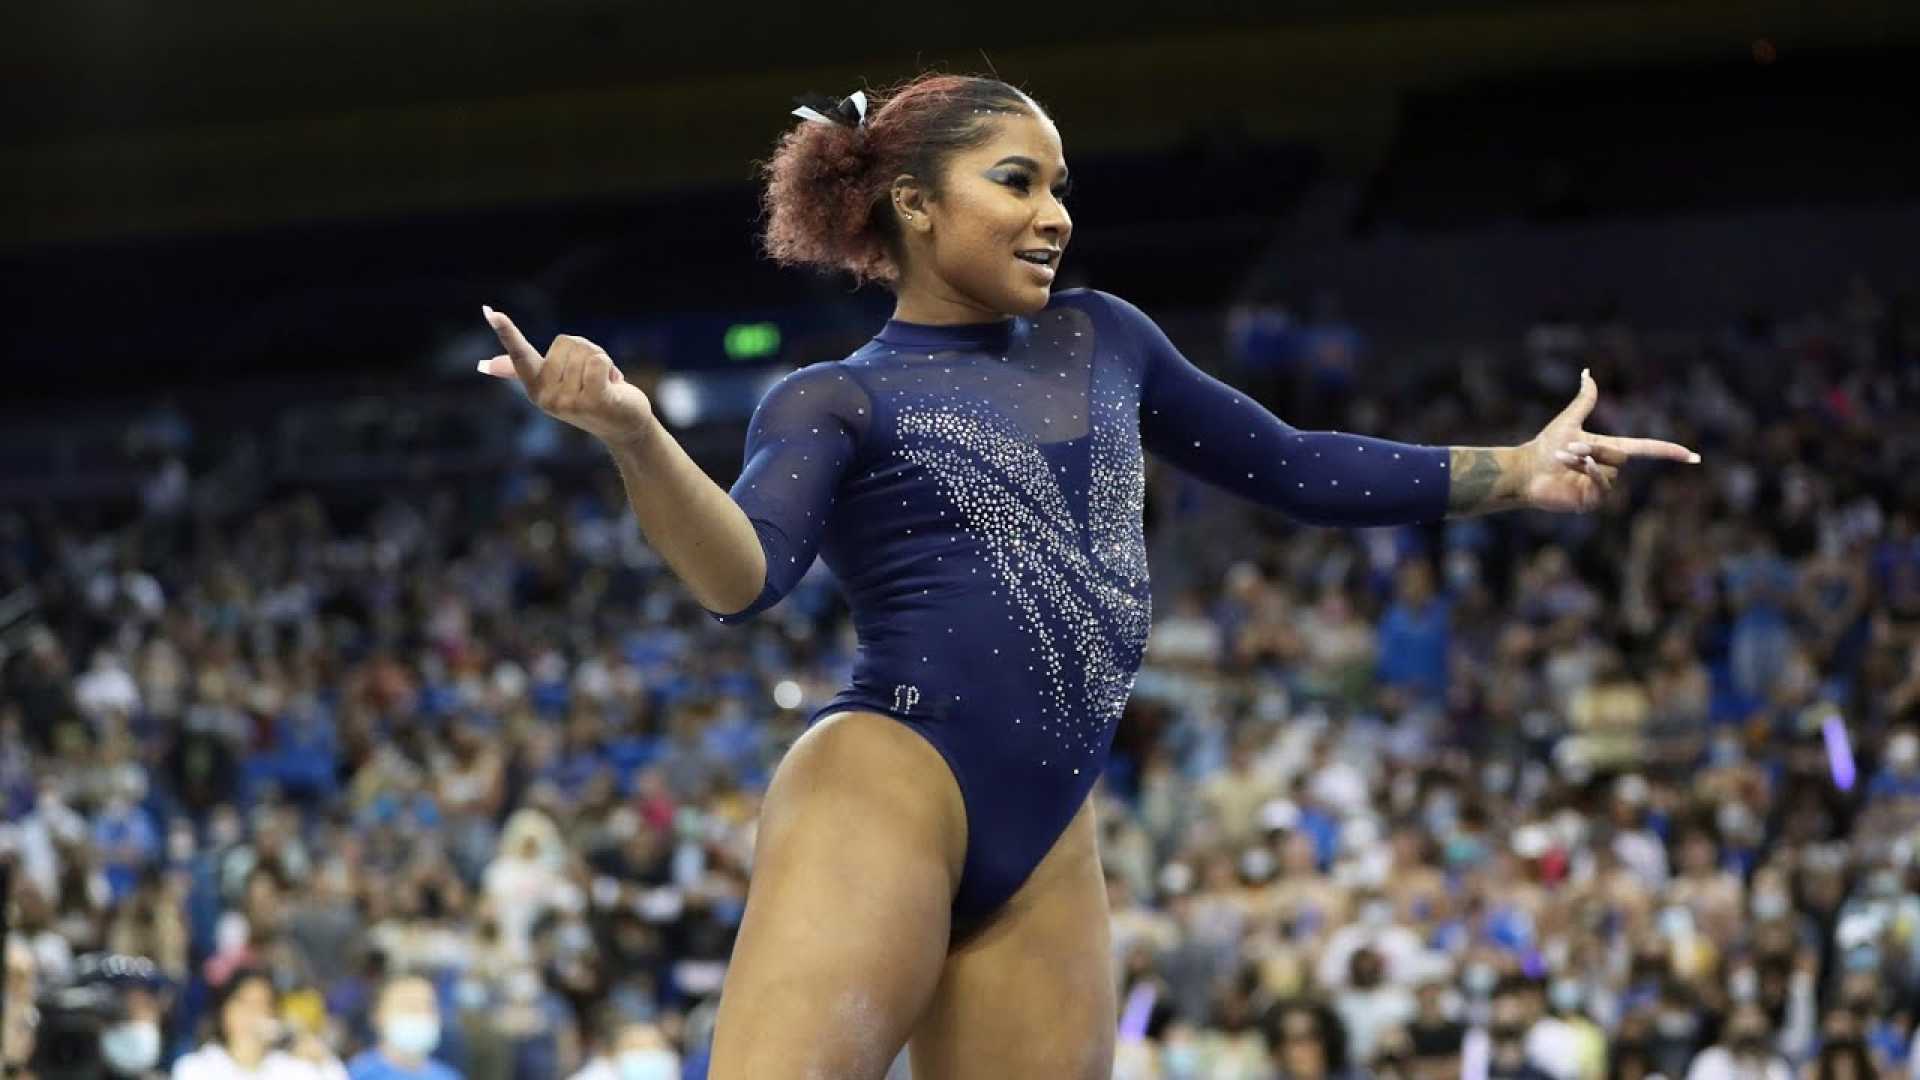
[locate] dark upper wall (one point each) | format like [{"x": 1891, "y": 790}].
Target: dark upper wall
[{"x": 118, "y": 119}]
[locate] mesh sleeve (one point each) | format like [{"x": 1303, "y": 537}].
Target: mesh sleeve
[
  {"x": 1207, "y": 428},
  {"x": 800, "y": 442}
]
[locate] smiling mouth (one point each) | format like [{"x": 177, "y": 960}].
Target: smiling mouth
[{"x": 1041, "y": 262}]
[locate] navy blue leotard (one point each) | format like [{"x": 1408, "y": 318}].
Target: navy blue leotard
[{"x": 978, "y": 491}]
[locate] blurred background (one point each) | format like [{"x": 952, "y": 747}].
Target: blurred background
[{"x": 346, "y": 722}]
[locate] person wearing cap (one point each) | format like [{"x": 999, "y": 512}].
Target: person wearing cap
[
  {"x": 131, "y": 1043},
  {"x": 407, "y": 1017}
]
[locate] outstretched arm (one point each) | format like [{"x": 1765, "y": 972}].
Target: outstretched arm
[
  {"x": 1485, "y": 479},
  {"x": 1207, "y": 428},
  {"x": 1564, "y": 468},
  {"x": 1218, "y": 433}
]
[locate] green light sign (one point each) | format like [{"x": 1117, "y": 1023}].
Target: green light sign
[{"x": 747, "y": 341}]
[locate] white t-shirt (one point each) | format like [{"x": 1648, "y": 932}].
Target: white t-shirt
[
  {"x": 1717, "y": 1063},
  {"x": 599, "y": 1068},
  {"x": 212, "y": 1062}
]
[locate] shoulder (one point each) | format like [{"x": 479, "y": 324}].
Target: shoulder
[
  {"x": 440, "y": 1070},
  {"x": 281, "y": 1065},
  {"x": 1094, "y": 301},
  {"x": 825, "y": 382},
  {"x": 1114, "y": 315},
  {"x": 196, "y": 1064},
  {"x": 597, "y": 1069}
]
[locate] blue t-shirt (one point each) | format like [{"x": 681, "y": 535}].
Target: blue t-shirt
[{"x": 373, "y": 1065}]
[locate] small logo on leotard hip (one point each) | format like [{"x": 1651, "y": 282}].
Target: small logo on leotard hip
[{"x": 905, "y": 697}]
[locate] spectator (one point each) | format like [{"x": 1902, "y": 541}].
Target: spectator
[
  {"x": 246, "y": 1029},
  {"x": 1743, "y": 1050},
  {"x": 1501, "y": 1049},
  {"x": 407, "y": 1017},
  {"x": 1308, "y": 1043},
  {"x": 637, "y": 1051},
  {"x": 1414, "y": 638},
  {"x": 473, "y": 730}
]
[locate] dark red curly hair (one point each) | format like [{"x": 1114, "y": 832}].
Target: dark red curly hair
[{"x": 825, "y": 203}]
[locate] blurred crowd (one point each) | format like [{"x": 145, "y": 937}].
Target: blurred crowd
[{"x": 453, "y": 780}]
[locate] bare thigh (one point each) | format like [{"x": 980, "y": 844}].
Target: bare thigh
[
  {"x": 858, "y": 853},
  {"x": 1030, "y": 994}
]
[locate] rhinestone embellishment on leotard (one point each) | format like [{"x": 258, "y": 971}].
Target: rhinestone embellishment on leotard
[{"x": 1083, "y": 606}]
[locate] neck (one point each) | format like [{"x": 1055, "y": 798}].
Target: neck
[
  {"x": 401, "y": 1058},
  {"x": 248, "y": 1053},
  {"x": 929, "y": 306}
]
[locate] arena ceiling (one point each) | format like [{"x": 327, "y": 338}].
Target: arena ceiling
[
  {"x": 123, "y": 117},
  {"x": 93, "y": 65}
]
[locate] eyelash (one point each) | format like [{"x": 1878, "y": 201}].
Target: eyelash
[{"x": 1025, "y": 183}]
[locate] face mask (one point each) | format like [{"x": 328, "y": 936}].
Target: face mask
[
  {"x": 729, "y": 910},
  {"x": 1480, "y": 979},
  {"x": 224, "y": 833},
  {"x": 131, "y": 1048},
  {"x": 1464, "y": 851},
  {"x": 1565, "y": 995},
  {"x": 1769, "y": 905},
  {"x": 1903, "y": 750},
  {"x": 1674, "y": 1025},
  {"x": 471, "y": 994},
  {"x": 573, "y": 937},
  {"x": 1182, "y": 1061},
  {"x": 524, "y": 985},
  {"x": 648, "y": 1065},
  {"x": 412, "y": 1034}
]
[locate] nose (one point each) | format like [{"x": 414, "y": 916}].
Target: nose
[{"x": 1053, "y": 221}]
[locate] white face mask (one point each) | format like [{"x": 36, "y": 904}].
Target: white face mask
[
  {"x": 412, "y": 1034},
  {"x": 131, "y": 1048},
  {"x": 648, "y": 1065}
]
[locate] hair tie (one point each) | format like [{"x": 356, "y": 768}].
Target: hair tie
[{"x": 849, "y": 111}]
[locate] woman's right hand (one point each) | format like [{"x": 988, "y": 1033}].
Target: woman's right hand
[{"x": 575, "y": 382}]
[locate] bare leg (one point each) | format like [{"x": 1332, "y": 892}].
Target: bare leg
[
  {"x": 860, "y": 845},
  {"x": 1032, "y": 993}
]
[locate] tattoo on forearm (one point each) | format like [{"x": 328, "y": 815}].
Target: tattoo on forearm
[{"x": 1475, "y": 473}]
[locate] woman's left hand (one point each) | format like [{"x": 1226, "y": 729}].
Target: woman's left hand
[{"x": 1571, "y": 469}]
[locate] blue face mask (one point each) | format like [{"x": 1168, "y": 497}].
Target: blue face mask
[
  {"x": 412, "y": 1034},
  {"x": 729, "y": 909},
  {"x": 130, "y": 1048},
  {"x": 1182, "y": 1061},
  {"x": 648, "y": 1065}
]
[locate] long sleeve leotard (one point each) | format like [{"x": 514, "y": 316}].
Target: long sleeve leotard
[{"x": 978, "y": 491}]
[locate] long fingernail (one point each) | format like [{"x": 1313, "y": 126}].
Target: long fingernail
[
  {"x": 481, "y": 367},
  {"x": 487, "y": 311},
  {"x": 1584, "y": 375},
  {"x": 1693, "y": 459}
]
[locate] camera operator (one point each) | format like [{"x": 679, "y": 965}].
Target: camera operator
[{"x": 104, "y": 1024}]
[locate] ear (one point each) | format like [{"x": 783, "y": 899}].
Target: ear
[{"x": 909, "y": 207}]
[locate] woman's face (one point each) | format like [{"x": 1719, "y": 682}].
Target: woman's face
[
  {"x": 248, "y": 1012},
  {"x": 996, "y": 200}
]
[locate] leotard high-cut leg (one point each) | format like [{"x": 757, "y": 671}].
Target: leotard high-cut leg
[{"x": 978, "y": 491}]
